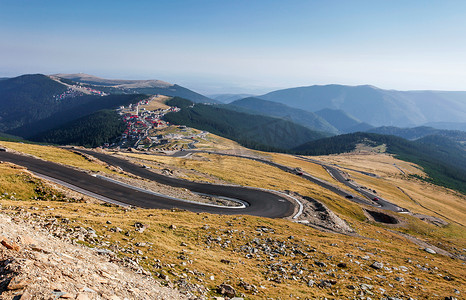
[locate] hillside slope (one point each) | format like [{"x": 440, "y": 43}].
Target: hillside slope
[
  {"x": 92, "y": 130},
  {"x": 254, "y": 131},
  {"x": 29, "y": 98},
  {"x": 228, "y": 98},
  {"x": 442, "y": 159},
  {"x": 376, "y": 106},
  {"x": 88, "y": 105},
  {"x": 275, "y": 109},
  {"x": 342, "y": 121},
  {"x": 420, "y": 132}
]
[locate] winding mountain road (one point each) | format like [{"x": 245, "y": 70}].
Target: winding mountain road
[
  {"x": 381, "y": 203},
  {"x": 260, "y": 203}
]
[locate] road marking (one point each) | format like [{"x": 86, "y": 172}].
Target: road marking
[
  {"x": 173, "y": 198},
  {"x": 80, "y": 190}
]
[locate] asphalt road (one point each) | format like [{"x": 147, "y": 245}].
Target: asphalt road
[
  {"x": 261, "y": 203},
  {"x": 381, "y": 203}
]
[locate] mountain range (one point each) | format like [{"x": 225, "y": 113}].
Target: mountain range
[
  {"x": 29, "y": 102},
  {"x": 375, "y": 106},
  {"x": 275, "y": 109},
  {"x": 228, "y": 98}
]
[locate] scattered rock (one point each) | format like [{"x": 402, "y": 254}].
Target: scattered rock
[
  {"x": 227, "y": 290},
  {"x": 327, "y": 283},
  {"x": 10, "y": 245},
  {"x": 447, "y": 278},
  {"x": 140, "y": 227},
  {"x": 18, "y": 283},
  {"x": 82, "y": 296},
  {"x": 366, "y": 287},
  {"x": 377, "y": 265},
  {"x": 67, "y": 296},
  {"x": 320, "y": 264},
  {"x": 429, "y": 250}
]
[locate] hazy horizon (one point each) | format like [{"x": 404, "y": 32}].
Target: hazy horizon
[{"x": 254, "y": 47}]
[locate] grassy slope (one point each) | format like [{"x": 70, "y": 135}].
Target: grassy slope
[
  {"x": 205, "y": 254},
  {"x": 202, "y": 254},
  {"x": 443, "y": 160},
  {"x": 57, "y": 155}
]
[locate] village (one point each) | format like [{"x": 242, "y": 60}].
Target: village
[{"x": 146, "y": 130}]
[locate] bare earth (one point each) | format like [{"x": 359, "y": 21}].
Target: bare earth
[{"x": 41, "y": 266}]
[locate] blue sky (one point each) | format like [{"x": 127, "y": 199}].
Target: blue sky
[{"x": 241, "y": 46}]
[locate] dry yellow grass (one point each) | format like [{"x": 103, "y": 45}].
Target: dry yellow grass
[
  {"x": 57, "y": 155},
  {"x": 415, "y": 195},
  {"x": 308, "y": 167},
  {"x": 250, "y": 173},
  {"x": 380, "y": 164},
  {"x": 192, "y": 247},
  {"x": 156, "y": 103},
  {"x": 215, "y": 142}
]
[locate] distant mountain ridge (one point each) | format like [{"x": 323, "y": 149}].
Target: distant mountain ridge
[
  {"x": 275, "y": 109},
  {"x": 420, "y": 132},
  {"x": 376, "y": 106},
  {"x": 342, "y": 121},
  {"x": 91, "y": 79},
  {"x": 228, "y": 98},
  {"x": 140, "y": 86}
]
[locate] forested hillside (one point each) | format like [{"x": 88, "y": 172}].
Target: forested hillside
[
  {"x": 28, "y": 98},
  {"x": 342, "y": 121},
  {"x": 89, "y": 106},
  {"x": 279, "y": 110},
  {"x": 420, "y": 132},
  {"x": 254, "y": 131},
  {"x": 90, "y": 131}
]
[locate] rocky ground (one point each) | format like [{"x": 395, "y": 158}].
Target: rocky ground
[{"x": 36, "y": 265}]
